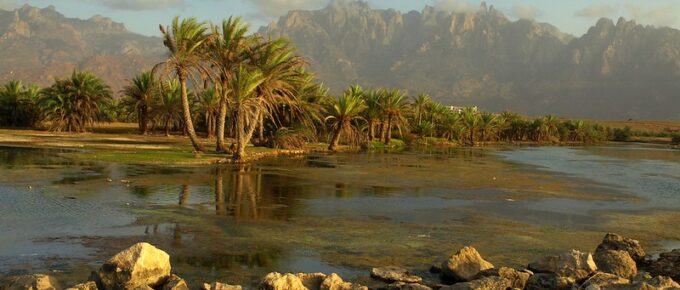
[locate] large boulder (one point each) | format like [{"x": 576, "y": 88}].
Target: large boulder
[
  {"x": 289, "y": 281},
  {"x": 617, "y": 242},
  {"x": 395, "y": 274},
  {"x": 574, "y": 264},
  {"x": 31, "y": 282},
  {"x": 91, "y": 285},
  {"x": 334, "y": 282},
  {"x": 517, "y": 278},
  {"x": 602, "y": 280},
  {"x": 464, "y": 265},
  {"x": 136, "y": 267},
  {"x": 616, "y": 262},
  {"x": 549, "y": 281},
  {"x": 175, "y": 283},
  {"x": 668, "y": 264}
]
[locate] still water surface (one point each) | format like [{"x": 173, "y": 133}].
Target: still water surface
[{"x": 332, "y": 213}]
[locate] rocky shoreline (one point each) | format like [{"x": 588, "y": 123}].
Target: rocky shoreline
[{"x": 618, "y": 263}]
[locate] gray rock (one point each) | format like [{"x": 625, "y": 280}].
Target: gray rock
[
  {"x": 549, "y": 281},
  {"x": 175, "y": 283},
  {"x": 603, "y": 281},
  {"x": 220, "y": 286},
  {"x": 574, "y": 264},
  {"x": 138, "y": 266},
  {"x": 668, "y": 264},
  {"x": 395, "y": 274},
  {"x": 465, "y": 265},
  {"x": 616, "y": 262},
  {"x": 334, "y": 282},
  {"x": 31, "y": 282},
  {"x": 617, "y": 242},
  {"x": 90, "y": 285}
]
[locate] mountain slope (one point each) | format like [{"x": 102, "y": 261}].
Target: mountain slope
[
  {"x": 37, "y": 45},
  {"x": 621, "y": 70}
]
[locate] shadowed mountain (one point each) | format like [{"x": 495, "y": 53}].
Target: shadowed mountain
[
  {"x": 37, "y": 45},
  {"x": 621, "y": 70}
]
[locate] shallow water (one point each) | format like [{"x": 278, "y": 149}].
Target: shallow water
[{"x": 342, "y": 213}]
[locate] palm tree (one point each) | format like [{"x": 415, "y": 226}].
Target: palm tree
[
  {"x": 551, "y": 124},
  {"x": 470, "y": 119},
  {"x": 373, "y": 112},
  {"x": 342, "y": 112},
  {"x": 420, "y": 105},
  {"x": 451, "y": 126},
  {"x": 394, "y": 107},
  {"x": 72, "y": 104},
  {"x": 184, "y": 41},
  {"x": 168, "y": 109},
  {"x": 11, "y": 95},
  {"x": 488, "y": 123},
  {"x": 226, "y": 50},
  {"x": 139, "y": 94},
  {"x": 246, "y": 106},
  {"x": 210, "y": 104}
]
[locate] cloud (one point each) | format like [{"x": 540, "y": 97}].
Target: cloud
[
  {"x": 272, "y": 8},
  {"x": 523, "y": 11},
  {"x": 456, "y": 5},
  {"x": 664, "y": 15},
  {"x": 596, "y": 11},
  {"x": 8, "y": 4},
  {"x": 140, "y": 4}
]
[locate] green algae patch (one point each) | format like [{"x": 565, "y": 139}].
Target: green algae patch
[{"x": 150, "y": 157}]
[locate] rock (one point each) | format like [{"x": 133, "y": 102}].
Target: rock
[
  {"x": 220, "y": 286},
  {"x": 288, "y": 281},
  {"x": 617, "y": 242},
  {"x": 138, "y": 266},
  {"x": 406, "y": 286},
  {"x": 668, "y": 264},
  {"x": 549, "y": 281},
  {"x": 311, "y": 280},
  {"x": 602, "y": 280},
  {"x": 334, "y": 282},
  {"x": 175, "y": 283},
  {"x": 656, "y": 283},
  {"x": 90, "y": 285},
  {"x": 616, "y": 262},
  {"x": 574, "y": 264},
  {"x": 517, "y": 278},
  {"x": 395, "y": 274},
  {"x": 487, "y": 283},
  {"x": 31, "y": 282},
  {"x": 465, "y": 265}
]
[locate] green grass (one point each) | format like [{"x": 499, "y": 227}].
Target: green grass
[
  {"x": 149, "y": 157},
  {"x": 394, "y": 144}
]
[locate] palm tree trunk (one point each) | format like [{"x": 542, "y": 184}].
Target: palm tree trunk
[
  {"x": 245, "y": 133},
  {"x": 184, "y": 195},
  {"x": 371, "y": 133},
  {"x": 472, "y": 136},
  {"x": 383, "y": 130},
  {"x": 221, "y": 123},
  {"x": 188, "y": 122},
  {"x": 388, "y": 136},
  {"x": 335, "y": 140},
  {"x": 144, "y": 119}
]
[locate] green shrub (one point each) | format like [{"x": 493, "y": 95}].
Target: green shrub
[
  {"x": 676, "y": 138},
  {"x": 622, "y": 135}
]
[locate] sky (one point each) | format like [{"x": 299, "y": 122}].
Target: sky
[{"x": 571, "y": 16}]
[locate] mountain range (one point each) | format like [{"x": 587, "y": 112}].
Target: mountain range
[{"x": 616, "y": 70}]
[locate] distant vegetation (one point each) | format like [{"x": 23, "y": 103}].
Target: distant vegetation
[{"x": 226, "y": 83}]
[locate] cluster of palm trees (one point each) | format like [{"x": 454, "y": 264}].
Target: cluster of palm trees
[
  {"x": 70, "y": 104},
  {"x": 358, "y": 113}
]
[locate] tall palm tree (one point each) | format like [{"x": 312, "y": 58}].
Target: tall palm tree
[
  {"x": 168, "y": 109},
  {"x": 11, "y": 95},
  {"x": 470, "y": 119},
  {"x": 451, "y": 126},
  {"x": 72, "y": 104},
  {"x": 139, "y": 95},
  {"x": 246, "y": 106},
  {"x": 394, "y": 107},
  {"x": 373, "y": 112},
  {"x": 420, "y": 104},
  {"x": 551, "y": 124},
  {"x": 184, "y": 40},
  {"x": 226, "y": 50},
  {"x": 209, "y": 102},
  {"x": 342, "y": 112},
  {"x": 488, "y": 123}
]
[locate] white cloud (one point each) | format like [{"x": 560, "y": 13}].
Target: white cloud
[
  {"x": 272, "y": 8},
  {"x": 523, "y": 11},
  {"x": 140, "y": 4},
  {"x": 456, "y": 5},
  {"x": 596, "y": 11},
  {"x": 664, "y": 15},
  {"x": 8, "y": 4}
]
